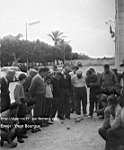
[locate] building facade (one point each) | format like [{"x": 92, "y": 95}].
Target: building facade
[{"x": 119, "y": 34}]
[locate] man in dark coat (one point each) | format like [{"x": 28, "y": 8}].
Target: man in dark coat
[
  {"x": 5, "y": 97},
  {"x": 65, "y": 88},
  {"x": 37, "y": 91},
  {"x": 27, "y": 83},
  {"x": 56, "y": 93}
]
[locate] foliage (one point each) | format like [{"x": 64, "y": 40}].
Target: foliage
[
  {"x": 36, "y": 51},
  {"x": 80, "y": 56},
  {"x": 14, "y": 49},
  {"x": 56, "y": 36}
]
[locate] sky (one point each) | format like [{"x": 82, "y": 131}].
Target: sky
[{"x": 82, "y": 21}]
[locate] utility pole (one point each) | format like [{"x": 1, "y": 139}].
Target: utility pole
[
  {"x": 26, "y": 34},
  {"x": 26, "y": 27}
]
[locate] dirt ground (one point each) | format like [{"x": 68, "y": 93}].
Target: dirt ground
[{"x": 65, "y": 136}]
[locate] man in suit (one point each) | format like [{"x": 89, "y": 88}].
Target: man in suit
[
  {"x": 56, "y": 94},
  {"x": 5, "y": 97},
  {"x": 37, "y": 91},
  {"x": 65, "y": 88}
]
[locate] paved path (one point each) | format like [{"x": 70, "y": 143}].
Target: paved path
[{"x": 67, "y": 136}]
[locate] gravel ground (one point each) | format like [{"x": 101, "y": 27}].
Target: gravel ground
[{"x": 65, "y": 136}]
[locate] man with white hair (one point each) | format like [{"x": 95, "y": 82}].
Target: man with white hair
[
  {"x": 5, "y": 97},
  {"x": 80, "y": 92}
]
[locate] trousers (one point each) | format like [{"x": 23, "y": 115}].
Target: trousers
[{"x": 80, "y": 97}]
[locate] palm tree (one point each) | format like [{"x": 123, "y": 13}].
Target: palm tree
[{"x": 56, "y": 36}]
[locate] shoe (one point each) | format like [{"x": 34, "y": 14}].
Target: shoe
[
  {"x": 1, "y": 142},
  {"x": 62, "y": 122},
  {"x": 81, "y": 118},
  {"x": 24, "y": 136},
  {"x": 85, "y": 115},
  {"x": 50, "y": 123},
  {"x": 36, "y": 130},
  {"x": 44, "y": 124},
  {"x": 101, "y": 117},
  {"x": 77, "y": 119},
  {"x": 12, "y": 144},
  {"x": 61, "y": 118},
  {"x": 52, "y": 120},
  {"x": 90, "y": 116},
  {"x": 20, "y": 140},
  {"x": 68, "y": 117}
]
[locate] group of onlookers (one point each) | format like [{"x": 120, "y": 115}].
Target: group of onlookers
[
  {"x": 43, "y": 95},
  {"x": 112, "y": 130}
]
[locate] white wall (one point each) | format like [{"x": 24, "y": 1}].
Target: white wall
[{"x": 119, "y": 32}]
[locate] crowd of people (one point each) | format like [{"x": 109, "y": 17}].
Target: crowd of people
[{"x": 43, "y": 95}]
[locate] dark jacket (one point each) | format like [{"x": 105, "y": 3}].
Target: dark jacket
[
  {"x": 37, "y": 86},
  {"x": 5, "y": 97},
  {"x": 108, "y": 80},
  {"x": 27, "y": 84},
  {"x": 92, "y": 83},
  {"x": 65, "y": 83},
  {"x": 56, "y": 87}
]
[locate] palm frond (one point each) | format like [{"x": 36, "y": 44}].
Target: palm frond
[
  {"x": 56, "y": 36},
  {"x": 51, "y": 36}
]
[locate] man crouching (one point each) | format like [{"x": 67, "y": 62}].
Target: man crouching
[
  {"x": 8, "y": 131},
  {"x": 113, "y": 133}
]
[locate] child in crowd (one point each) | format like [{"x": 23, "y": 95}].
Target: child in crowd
[
  {"x": 20, "y": 100},
  {"x": 101, "y": 106}
]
